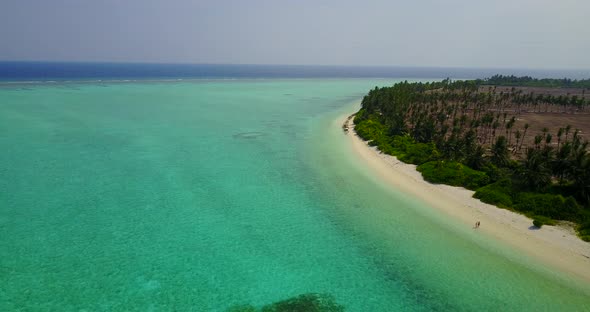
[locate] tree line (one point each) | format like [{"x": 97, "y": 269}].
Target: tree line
[{"x": 526, "y": 81}]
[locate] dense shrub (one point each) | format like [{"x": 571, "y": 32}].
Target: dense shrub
[
  {"x": 359, "y": 116},
  {"x": 539, "y": 221},
  {"x": 404, "y": 148},
  {"x": 412, "y": 152},
  {"x": 453, "y": 173},
  {"x": 584, "y": 231},
  {"x": 495, "y": 173},
  {"x": 374, "y": 132},
  {"x": 498, "y": 193},
  {"x": 549, "y": 205},
  {"x": 493, "y": 197},
  {"x": 370, "y": 130}
]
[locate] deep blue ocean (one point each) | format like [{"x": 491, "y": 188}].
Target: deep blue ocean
[{"x": 59, "y": 71}]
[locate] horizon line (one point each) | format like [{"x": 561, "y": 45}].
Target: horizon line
[{"x": 295, "y": 65}]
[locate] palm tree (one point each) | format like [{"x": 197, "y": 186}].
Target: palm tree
[
  {"x": 559, "y": 134},
  {"x": 509, "y": 127},
  {"x": 517, "y": 135},
  {"x": 500, "y": 152},
  {"x": 548, "y": 100},
  {"x": 567, "y": 131},
  {"x": 580, "y": 167},
  {"x": 548, "y": 138},
  {"x": 526, "y": 127},
  {"x": 538, "y": 140},
  {"x": 562, "y": 162},
  {"x": 476, "y": 159},
  {"x": 534, "y": 171}
]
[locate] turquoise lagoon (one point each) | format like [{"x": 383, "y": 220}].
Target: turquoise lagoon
[{"x": 200, "y": 195}]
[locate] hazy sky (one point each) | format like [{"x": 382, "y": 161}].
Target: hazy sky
[{"x": 463, "y": 33}]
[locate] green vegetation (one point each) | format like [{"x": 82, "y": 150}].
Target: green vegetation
[
  {"x": 584, "y": 231},
  {"x": 497, "y": 193},
  {"x": 539, "y": 221},
  {"x": 301, "y": 303},
  {"x": 412, "y": 152},
  {"x": 499, "y": 80},
  {"x": 403, "y": 147},
  {"x": 453, "y": 173},
  {"x": 463, "y": 134},
  {"x": 548, "y": 205}
]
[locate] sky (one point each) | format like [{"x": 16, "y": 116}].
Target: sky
[{"x": 535, "y": 34}]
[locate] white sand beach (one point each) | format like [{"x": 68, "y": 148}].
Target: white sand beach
[{"x": 557, "y": 246}]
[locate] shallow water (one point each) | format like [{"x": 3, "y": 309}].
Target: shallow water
[{"x": 205, "y": 194}]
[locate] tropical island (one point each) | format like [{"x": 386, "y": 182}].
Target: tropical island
[{"x": 518, "y": 142}]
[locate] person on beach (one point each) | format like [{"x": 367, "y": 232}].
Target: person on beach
[{"x": 477, "y": 224}]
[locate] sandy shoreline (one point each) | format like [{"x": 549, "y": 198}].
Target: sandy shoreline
[{"x": 557, "y": 246}]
